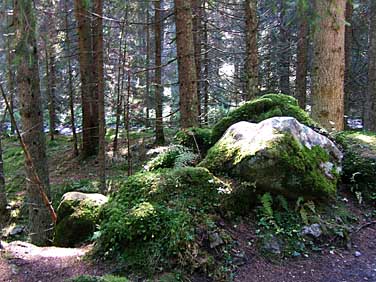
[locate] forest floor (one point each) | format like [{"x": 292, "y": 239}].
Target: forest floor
[{"x": 23, "y": 262}]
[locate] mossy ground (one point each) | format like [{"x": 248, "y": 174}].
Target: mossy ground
[
  {"x": 264, "y": 107},
  {"x": 157, "y": 219},
  {"x": 197, "y": 139},
  {"x": 359, "y": 165}
]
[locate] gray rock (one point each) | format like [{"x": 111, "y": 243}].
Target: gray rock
[
  {"x": 279, "y": 155},
  {"x": 18, "y": 229},
  {"x": 312, "y": 230},
  {"x": 273, "y": 245},
  {"x": 357, "y": 254},
  {"x": 215, "y": 240}
]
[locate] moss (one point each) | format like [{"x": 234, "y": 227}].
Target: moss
[
  {"x": 106, "y": 278},
  {"x": 197, "y": 139},
  {"x": 359, "y": 164},
  {"x": 267, "y": 106},
  {"x": 77, "y": 222},
  {"x": 154, "y": 220},
  {"x": 283, "y": 166},
  {"x": 174, "y": 157}
]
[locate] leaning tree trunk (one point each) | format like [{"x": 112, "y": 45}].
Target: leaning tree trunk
[
  {"x": 32, "y": 119},
  {"x": 302, "y": 57},
  {"x": 159, "y": 134},
  {"x": 89, "y": 93},
  {"x": 186, "y": 64},
  {"x": 329, "y": 64},
  {"x": 370, "y": 106},
  {"x": 251, "y": 63}
]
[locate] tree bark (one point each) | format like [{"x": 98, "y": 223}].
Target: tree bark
[
  {"x": 70, "y": 81},
  {"x": 99, "y": 64},
  {"x": 348, "y": 57},
  {"x": 302, "y": 57},
  {"x": 329, "y": 64},
  {"x": 186, "y": 64},
  {"x": 32, "y": 119},
  {"x": 370, "y": 106},
  {"x": 284, "y": 50},
  {"x": 4, "y": 213},
  {"x": 158, "y": 27},
  {"x": 89, "y": 93},
  {"x": 251, "y": 63}
]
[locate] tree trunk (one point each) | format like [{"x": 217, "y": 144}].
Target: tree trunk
[
  {"x": 186, "y": 64},
  {"x": 329, "y": 64},
  {"x": 51, "y": 86},
  {"x": 302, "y": 57},
  {"x": 148, "y": 51},
  {"x": 32, "y": 119},
  {"x": 370, "y": 106},
  {"x": 10, "y": 74},
  {"x": 197, "y": 29},
  {"x": 348, "y": 56},
  {"x": 251, "y": 63},
  {"x": 70, "y": 81},
  {"x": 284, "y": 50},
  {"x": 89, "y": 93},
  {"x": 158, "y": 27},
  {"x": 206, "y": 68},
  {"x": 99, "y": 64},
  {"x": 4, "y": 213}
]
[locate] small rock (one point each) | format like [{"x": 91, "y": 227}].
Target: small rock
[
  {"x": 17, "y": 230},
  {"x": 313, "y": 230},
  {"x": 357, "y": 254},
  {"x": 273, "y": 246},
  {"x": 215, "y": 240}
]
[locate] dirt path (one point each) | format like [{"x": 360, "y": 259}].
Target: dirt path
[
  {"x": 339, "y": 266},
  {"x": 23, "y": 262}
]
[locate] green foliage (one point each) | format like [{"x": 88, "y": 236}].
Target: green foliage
[
  {"x": 153, "y": 220},
  {"x": 284, "y": 220},
  {"x": 267, "y": 106},
  {"x": 359, "y": 164},
  {"x": 176, "y": 156},
  {"x": 107, "y": 278},
  {"x": 197, "y": 139}
]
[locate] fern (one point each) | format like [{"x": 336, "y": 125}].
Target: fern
[
  {"x": 267, "y": 205},
  {"x": 283, "y": 202}
]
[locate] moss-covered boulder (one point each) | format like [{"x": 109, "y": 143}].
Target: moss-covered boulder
[
  {"x": 174, "y": 156},
  {"x": 279, "y": 155},
  {"x": 359, "y": 164},
  {"x": 264, "y": 107},
  {"x": 196, "y": 138},
  {"x": 78, "y": 216},
  {"x": 159, "y": 219}
]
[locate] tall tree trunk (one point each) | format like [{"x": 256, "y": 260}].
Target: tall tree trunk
[
  {"x": 370, "y": 106},
  {"x": 158, "y": 30},
  {"x": 50, "y": 81},
  {"x": 70, "y": 80},
  {"x": 4, "y": 214},
  {"x": 148, "y": 51},
  {"x": 10, "y": 71},
  {"x": 251, "y": 60},
  {"x": 284, "y": 50},
  {"x": 206, "y": 68},
  {"x": 99, "y": 64},
  {"x": 186, "y": 64},
  {"x": 89, "y": 93},
  {"x": 302, "y": 57},
  {"x": 329, "y": 64},
  {"x": 32, "y": 118},
  {"x": 197, "y": 30},
  {"x": 348, "y": 57}
]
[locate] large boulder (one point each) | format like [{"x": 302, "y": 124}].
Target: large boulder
[
  {"x": 279, "y": 155},
  {"x": 359, "y": 164},
  {"x": 262, "y": 108},
  {"x": 78, "y": 215}
]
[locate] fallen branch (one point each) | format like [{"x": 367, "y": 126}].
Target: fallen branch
[
  {"x": 29, "y": 161},
  {"x": 368, "y": 224}
]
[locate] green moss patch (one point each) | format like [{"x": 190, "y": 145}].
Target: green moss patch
[
  {"x": 267, "y": 106},
  {"x": 162, "y": 220},
  {"x": 359, "y": 165},
  {"x": 197, "y": 139}
]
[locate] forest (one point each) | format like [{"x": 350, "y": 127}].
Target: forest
[{"x": 192, "y": 141}]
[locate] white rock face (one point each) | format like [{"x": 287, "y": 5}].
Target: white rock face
[
  {"x": 254, "y": 137},
  {"x": 95, "y": 199}
]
